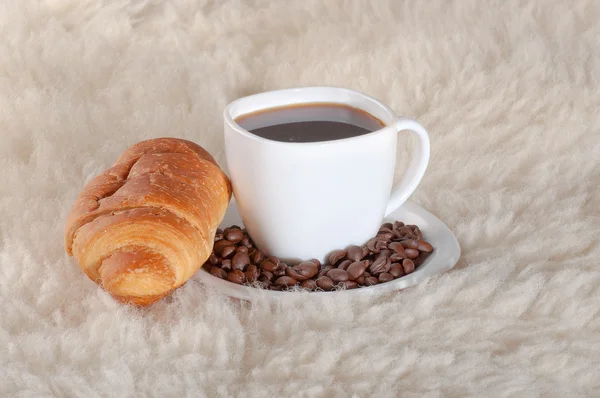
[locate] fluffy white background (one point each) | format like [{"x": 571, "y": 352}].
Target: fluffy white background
[{"x": 510, "y": 94}]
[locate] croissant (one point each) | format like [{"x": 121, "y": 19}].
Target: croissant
[{"x": 143, "y": 227}]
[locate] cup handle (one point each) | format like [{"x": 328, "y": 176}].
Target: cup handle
[{"x": 417, "y": 166}]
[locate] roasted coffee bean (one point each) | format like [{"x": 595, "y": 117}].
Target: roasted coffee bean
[
  {"x": 377, "y": 247},
  {"x": 385, "y": 253},
  {"x": 226, "y": 265},
  {"x": 397, "y": 257},
  {"x": 268, "y": 265},
  {"x": 307, "y": 269},
  {"x": 246, "y": 242},
  {"x": 338, "y": 275},
  {"x": 325, "y": 270},
  {"x": 374, "y": 247},
  {"x": 354, "y": 253},
  {"x": 267, "y": 274},
  {"x": 397, "y": 224},
  {"x": 425, "y": 246},
  {"x": 398, "y": 235},
  {"x": 371, "y": 280},
  {"x": 393, "y": 253},
  {"x": 291, "y": 272},
  {"x": 356, "y": 269},
  {"x": 228, "y": 251},
  {"x": 252, "y": 273},
  {"x": 213, "y": 260},
  {"x": 344, "y": 264},
  {"x": 336, "y": 256},
  {"x": 408, "y": 265},
  {"x": 280, "y": 271},
  {"x": 218, "y": 272},
  {"x": 234, "y": 235},
  {"x": 396, "y": 270},
  {"x": 240, "y": 261},
  {"x": 371, "y": 245},
  {"x": 410, "y": 244},
  {"x": 320, "y": 274},
  {"x": 385, "y": 235},
  {"x": 258, "y": 257},
  {"x": 316, "y": 262},
  {"x": 325, "y": 283},
  {"x": 397, "y": 247},
  {"x": 309, "y": 284},
  {"x": 412, "y": 253},
  {"x": 348, "y": 285},
  {"x": 365, "y": 251},
  {"x": 286, "y": 281},
  {"x": 220, "y": 245},
  {"x": 380, "y": 245},
  {"x": 380, "y": 265},
  {"x": 264, "y": 282},
  {"x": 274, "y": 260},
  {"x": 326, "y": 267},
  {"x": 219, "y": 231},
  {"x": 236, "y": 276},
  {"x": 403, "y": 232}
]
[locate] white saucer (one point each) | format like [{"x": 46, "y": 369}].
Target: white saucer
[{"x": 445, "y": 255}]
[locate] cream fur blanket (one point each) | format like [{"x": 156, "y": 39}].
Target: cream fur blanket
[{"x": 510, "y": 93}]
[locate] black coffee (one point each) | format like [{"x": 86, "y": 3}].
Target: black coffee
[{"x": 310, "y": 123}]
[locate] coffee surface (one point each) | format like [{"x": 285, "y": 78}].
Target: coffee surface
[{"x": 310, "y": 123}]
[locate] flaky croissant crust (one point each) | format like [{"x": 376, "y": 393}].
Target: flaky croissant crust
[{"x": 143, "y": 227}]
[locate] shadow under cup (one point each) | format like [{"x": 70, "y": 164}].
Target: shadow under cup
[{"x": 301, "y": 200}]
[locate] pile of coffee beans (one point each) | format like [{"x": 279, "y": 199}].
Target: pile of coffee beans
[{"x": 397, "y": 250}]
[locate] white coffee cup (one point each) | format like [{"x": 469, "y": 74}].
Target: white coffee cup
[{"x": 302, "y": 200}]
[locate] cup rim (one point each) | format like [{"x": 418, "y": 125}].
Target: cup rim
[{"x": 240, "y": 130}]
